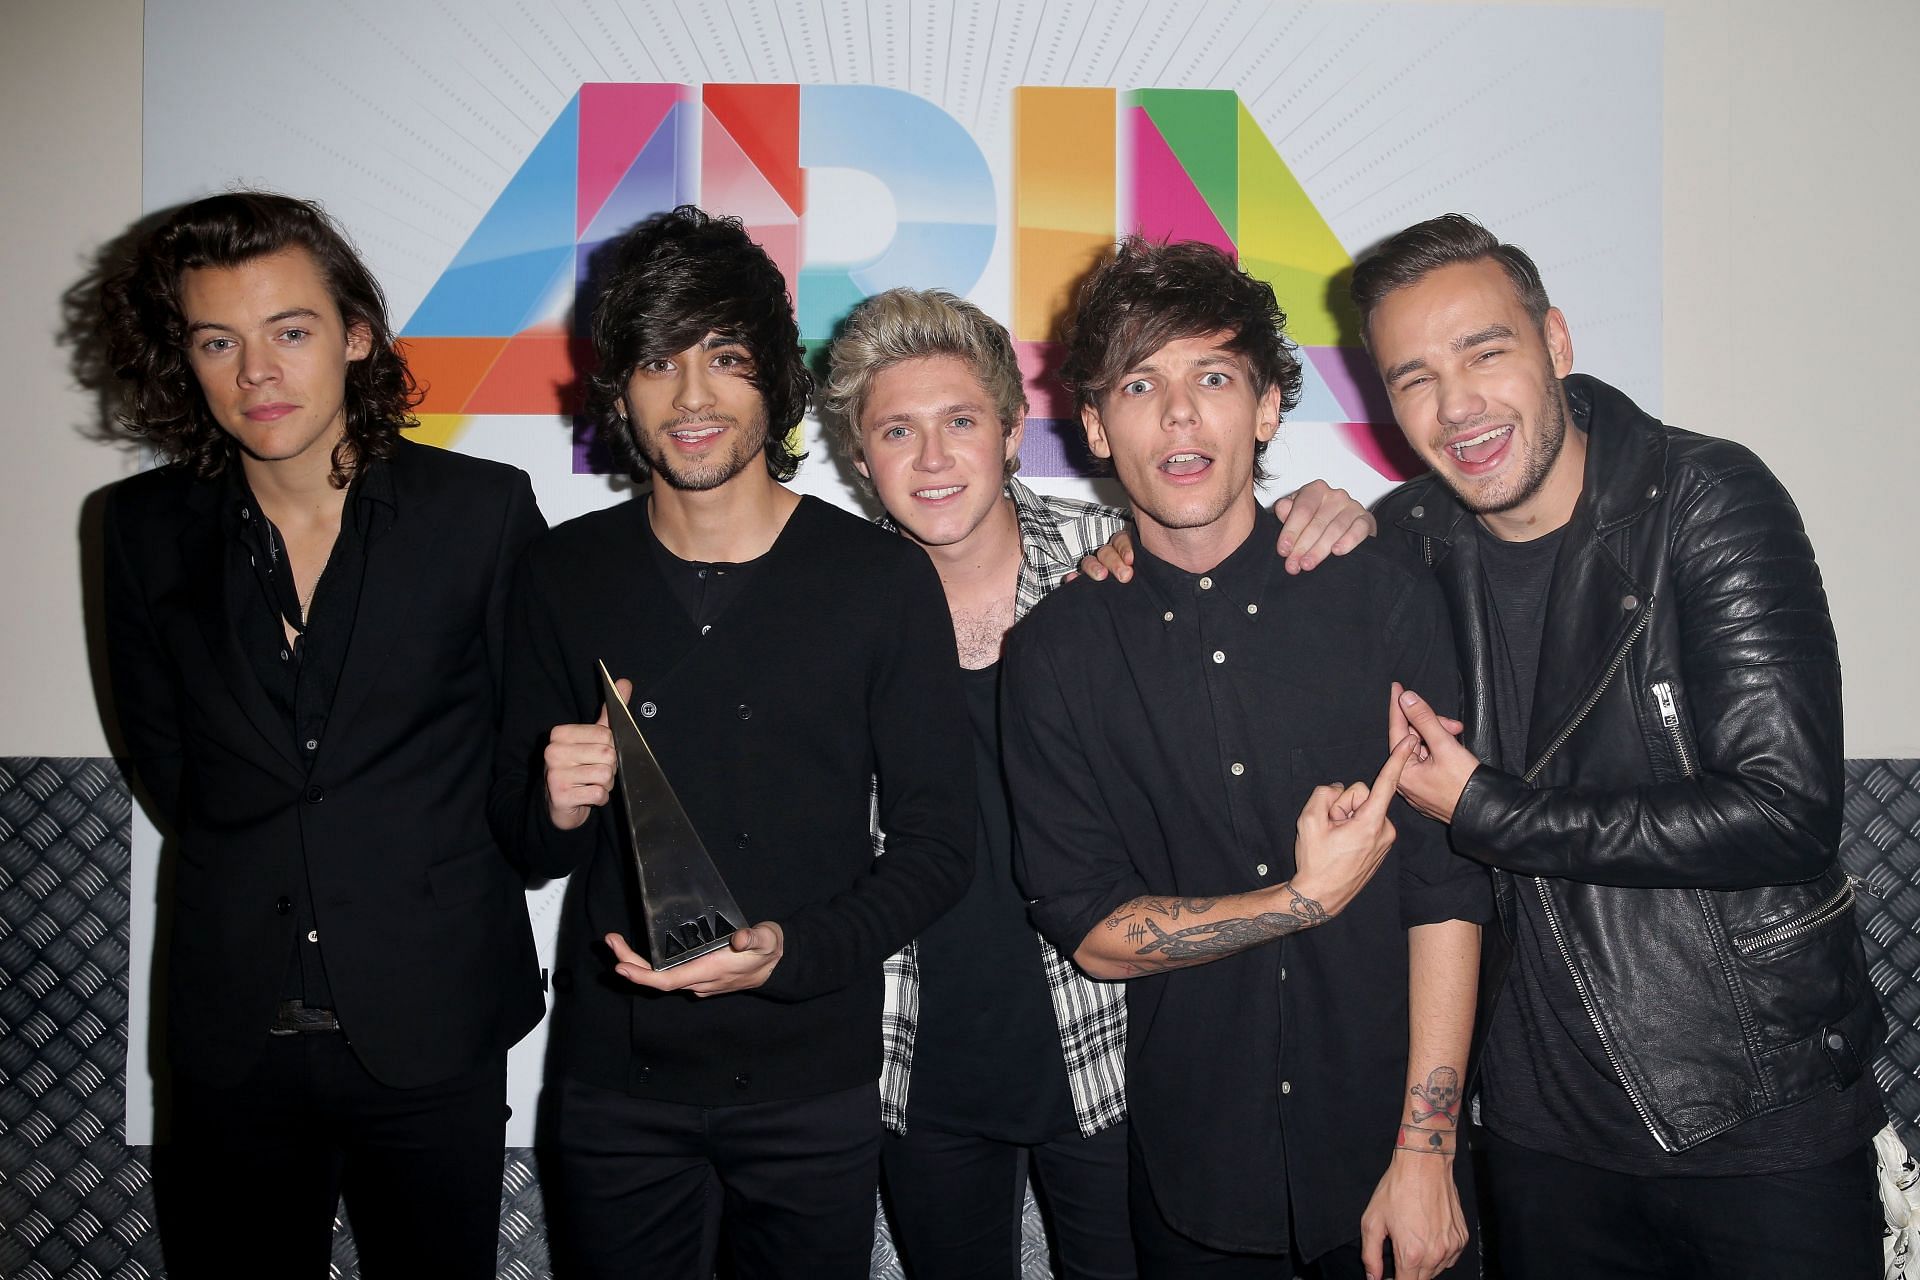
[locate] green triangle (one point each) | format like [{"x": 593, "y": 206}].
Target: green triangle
[{"x": 1200, "y": 128}]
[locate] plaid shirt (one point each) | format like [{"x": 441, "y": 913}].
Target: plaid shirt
[{"x": 1092, "y": 1016}]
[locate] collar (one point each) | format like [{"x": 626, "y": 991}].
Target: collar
[
  {"x": 1040, "y": 540},
  {"x": 1242, "y": 575},
  {"x": 370, "y": 493}
]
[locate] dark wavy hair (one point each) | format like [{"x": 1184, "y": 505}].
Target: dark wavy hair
[
  {"x": 147, "y": 340},
  {"x": 1148, "y": 294},
  {"x": 674, "y": 279},
  {"x": 1408, "y": 257}
]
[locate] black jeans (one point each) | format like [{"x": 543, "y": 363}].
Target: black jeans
[
  {"x": 644, "y": 1189},
  {"x": 250, "y": 1181},
  {"x": 954, "y": 1203},
  {"x": 1562, "y": 1220}
]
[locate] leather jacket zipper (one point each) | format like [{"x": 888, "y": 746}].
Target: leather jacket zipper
[
  {"x": 1670, "y": 717},
  {"x": 1835, "y": 906},
  {"x": 1546, "y": 902}
]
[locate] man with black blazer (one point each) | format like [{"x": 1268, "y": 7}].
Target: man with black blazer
[{"x": 304, "y": 617}]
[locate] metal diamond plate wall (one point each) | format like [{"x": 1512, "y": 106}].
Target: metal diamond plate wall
[{"x": 76, "y": 1202}]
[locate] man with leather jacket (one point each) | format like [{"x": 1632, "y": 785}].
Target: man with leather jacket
[{"x": 1672, "y": 1079}]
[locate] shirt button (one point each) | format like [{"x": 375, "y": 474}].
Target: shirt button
[
  {"x": 283, "y": 906},
  {"x": 744, "y": 711},
  {"x": 1286, "y": 1086},
  {"x": 742, "y": 1080},
  {"x": 313, "y": 744},
  {"x": 1206, "y": 584},
  {"x": 742, "y": 840},
  {"x": 1283, "y": 973},
  {"x": 285, "y": 656},
  {"x": 707, "y": 628},
  {"x": 315, "y": 795},
  {"x": 1167, "y": 616},
  {"x": 1238, "y": 768},
  {"x": 1253, "y": 608},
  {"x": 703, "y": 573},
  {"x": 313, "y": 935},
  {"x": 1218, "y": 656},
  {"x": 246, "y": 513},
  {"x": 1260, "y": 869},
  {"x": 648, "y": 711}
]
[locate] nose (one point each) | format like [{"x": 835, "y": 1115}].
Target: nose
[
  {"x": 934, "y": 453},
  {"x": 1459, "y": 402},
  {"x": 695, "y": 389},
  {"x": 258, "y": 364},
  {"x": 1181, "y": 408}
]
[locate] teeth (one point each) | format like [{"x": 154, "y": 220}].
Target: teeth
[
  {"x": 935, "y": 494},
  {"x": 691, "y": 436},
  {"x": 1184, "y": 457},
  {"x": 1459, "y": 446}
]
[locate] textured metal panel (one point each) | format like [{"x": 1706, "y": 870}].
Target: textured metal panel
[{"x": 75, "y": 1202}]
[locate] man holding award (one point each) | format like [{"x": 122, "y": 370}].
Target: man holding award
[{"x": 777, "y": 654}]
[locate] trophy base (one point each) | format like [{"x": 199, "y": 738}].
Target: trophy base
[{"x": 693, "y": 939}]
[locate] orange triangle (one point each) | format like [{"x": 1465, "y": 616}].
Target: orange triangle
[
  {"x": 764, "y": 120},
  {"x": 448, "y": 369}
]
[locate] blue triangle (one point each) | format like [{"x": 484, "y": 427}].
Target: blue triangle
[
  {"x": 655, "y": 182},
  {"x": 1317, "y": 401},
  {"x": 501, "y": 273}
]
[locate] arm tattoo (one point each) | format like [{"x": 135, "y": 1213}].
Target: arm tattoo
[
  {"x": 1199, "y": 943},
  {"x": 1425, "y": 1141},
  {"x": 1438, "y": 1099}
]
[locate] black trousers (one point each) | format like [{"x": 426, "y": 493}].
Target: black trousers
[
  {"x": 954, "y": 1203},
  {"x": 645, "y": 1190},
  {"x": 250, "y": 1181},
  {"x": 1562, "y": 1220}
]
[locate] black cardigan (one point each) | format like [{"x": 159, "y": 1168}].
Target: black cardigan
[{"x": 834, "y": 664}]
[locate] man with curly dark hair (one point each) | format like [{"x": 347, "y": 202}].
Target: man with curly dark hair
[
  {"x": 304, "y": 615},
  {"x": 778, "y": 653},
  {"x": 1203, "y": 813}
]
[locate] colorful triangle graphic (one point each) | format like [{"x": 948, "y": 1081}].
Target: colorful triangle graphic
[
  {"x": 764, "y": 122},
  {"x": 616, "y": 123}
]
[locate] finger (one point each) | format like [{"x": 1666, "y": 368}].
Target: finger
[
  {"x": 1389, "y": 779},
  {"x": 1091, "y": 566},
  {"x": 1309, "y": 535},
  {"x": 625, "y": 954},
  {"x": 1352, "y": 799},
  {"x": 1396, "y": 716},
  {"x": 1281, "y": 510},
  {"x": 1373, "y": 1236},
  {"x": 624, "y": 688},
  {"x": 1361, "y": 527},
  {"x": 582, "y": 734},
  {"x": 1421, "y": 715}
]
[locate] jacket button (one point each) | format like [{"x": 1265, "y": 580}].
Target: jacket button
[
  {"x": 648, "y": 711},
  {"x": 1653, "y": 491},
  {"x": 742, "y": 1080},
  {"x": 1417, "y": 512},
  {"x": 283, "y": 906},
  {"x": 1836, "y": 1041},
  {"x": 315, "y": 795},
  {"x": 742, "y": 840},
  {"x": 1629, "y": 603},
  {"x": 744, "y": 711}
]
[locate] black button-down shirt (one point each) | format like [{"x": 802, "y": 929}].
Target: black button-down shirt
[
  {"x": 300, "y": 676},
  {"x": 1162, "y": 738}
]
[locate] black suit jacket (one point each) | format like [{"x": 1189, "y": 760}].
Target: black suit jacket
[{"x": 423, "y": 922}]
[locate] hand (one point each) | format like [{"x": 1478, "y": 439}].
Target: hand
[
  {"x": 1343, "y": 835},
  {"x": 1441, "y": 766},
  {"x": 1416, "y": 1206},
  {"x": 580, "y": 761},
  {"x": 1116, "y": 557},
  {"x": 1317, "y": 521},
  {"x": 747, "y": 962}
]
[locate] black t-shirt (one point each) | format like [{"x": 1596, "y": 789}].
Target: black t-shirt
[
  {"x": 1545, "y": 1079},
  {"x": 986, "y": 1054}
]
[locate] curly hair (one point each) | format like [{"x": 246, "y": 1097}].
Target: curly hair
[
  {"x": 674, "y": 279},
  {"x": 146, "y": 330},
  {"x": 1408, "y": 257},
  {"x": 1148, "y": 294},
  {"x": 911, "y": 324}
]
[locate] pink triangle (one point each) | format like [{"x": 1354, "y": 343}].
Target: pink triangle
[
  {"x": 616, "y": 120},
  {"x": 1166, "y": 205},
  {"x": 730, "y": 183}
]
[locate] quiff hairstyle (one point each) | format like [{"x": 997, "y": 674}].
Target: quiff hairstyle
[
  {"x": 911, "y": 324},
  {"x": 1148, "y": 294},
  {"x": 146, "y": 333},
  {"x": 1408, "y": 257},
  {"x": 677, "y": 277}
]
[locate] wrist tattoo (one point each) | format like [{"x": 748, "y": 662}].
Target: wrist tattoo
[
  {"x": 1433, "y": 1142},
  {"x": 1438, "y": 1099}
]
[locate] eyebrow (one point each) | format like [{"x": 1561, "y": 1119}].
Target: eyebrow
[
  {"x": 291, "y": 313},
  {"x": 1465, "y": 342},
  {"x": 946, "y": 411}
]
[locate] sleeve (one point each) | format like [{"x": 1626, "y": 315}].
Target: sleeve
[
  {"x": 918, "y": 723},
  {"x": 1760, "y": 669},
  {"x": 1069, "y": 856},
  {"x": 1436, "y": 884},
  {"x": 535, "y": 696},
  {"x": 145, "y": 694},
  {"x": 520, "y": 524}
]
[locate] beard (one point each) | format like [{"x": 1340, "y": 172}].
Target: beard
[
  {"x": 697, "y": 475},
  {"x": 1535, "y": 467}
]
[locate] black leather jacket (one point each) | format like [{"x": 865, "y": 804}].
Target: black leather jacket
[{"x": 1680, "y": 817}]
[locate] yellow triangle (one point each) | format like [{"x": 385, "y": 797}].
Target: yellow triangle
[
  {"x": 1285, "y": 241},
  {"x": 441, "y": 430}
]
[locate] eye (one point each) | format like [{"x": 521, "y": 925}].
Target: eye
[
  {"x": 732, "y": 361},
  {"x": 1485, "y": 356},
  {"x": 962, "y": 422},
  {"x": 1138, "y": 387},
  {"x": 214, "y": 346},
  {"x": 1213, "y": 379},
  {"x": 294, "y": 335},
  {"x": 659, "y": 364},
  {"x": 896, "y": 433}
]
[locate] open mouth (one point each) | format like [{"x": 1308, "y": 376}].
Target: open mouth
[
  {"x": 696, "y": 435},
  {"x": 1186, "y": 463},
  {"x": 1475, "y": 450},
  {"x": 935, "y": 495}
]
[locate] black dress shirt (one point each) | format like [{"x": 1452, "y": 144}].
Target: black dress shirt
[
  {"x": 300, "y": 677},
  {"x": 1162, "y": 738}
]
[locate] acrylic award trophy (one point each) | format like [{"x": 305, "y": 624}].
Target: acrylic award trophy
[{"x": 688, "y": 908}]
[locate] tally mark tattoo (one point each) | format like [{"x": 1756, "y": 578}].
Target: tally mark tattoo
[{"x": 1438, "y": 1098}]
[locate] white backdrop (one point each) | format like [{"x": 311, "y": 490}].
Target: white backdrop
[{"x": 410, "y": 121}]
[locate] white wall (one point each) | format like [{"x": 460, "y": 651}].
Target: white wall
[{"x": 1787, "y": 164}]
